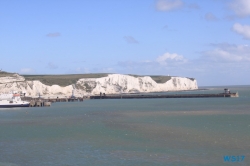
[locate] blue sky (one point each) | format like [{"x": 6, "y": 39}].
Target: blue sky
[{"x": 208, "y": 40}]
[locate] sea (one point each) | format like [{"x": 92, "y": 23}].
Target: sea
[{"x": 130, "y": 132}]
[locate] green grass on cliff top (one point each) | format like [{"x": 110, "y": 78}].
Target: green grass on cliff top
[
  {"x": 64, "y": 80},
  {"x": 5, "y": 74}
]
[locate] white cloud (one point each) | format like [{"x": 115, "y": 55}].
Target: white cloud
[
  {"x": 26, "y": 71},
  {"x": 167, "y": 5},
  {"x": 130, "y": 39},
  {"x": 218, "y": 65},
  {"x": 241, "y": 7},
  {"x": 167, "y": 60},
  {"x": 210, "y": 17},
  {"x": 170, "y": 58},
  {"x": 242, "y": 30},
  {"x": 222, "y": 53},
  {"x": 228, "y": 53}
]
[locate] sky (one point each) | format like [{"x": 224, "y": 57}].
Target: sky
[{"x": 208, "y": 40}]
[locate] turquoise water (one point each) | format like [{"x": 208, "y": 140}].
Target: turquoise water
[{"x": 129, "y": 132}]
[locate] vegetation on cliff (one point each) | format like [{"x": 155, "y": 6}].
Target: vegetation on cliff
[{"x": 69, "y": 79}]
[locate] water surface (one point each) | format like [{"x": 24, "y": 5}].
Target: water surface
[{"x": 195, "y": 131}]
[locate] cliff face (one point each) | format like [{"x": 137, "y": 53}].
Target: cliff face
[
  {"x": 113, "y": 83},
  {"x": 117, "y": 83},
  {"x": 32, "y": 88},
  {"x": 10, "y": 79}
]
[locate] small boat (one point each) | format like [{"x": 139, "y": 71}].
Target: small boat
[{"x": 13, "y": 99}]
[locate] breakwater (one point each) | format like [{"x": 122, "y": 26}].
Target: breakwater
[
  {"x": 42, "y": 102},
  {"x": 147, "y": 96}
]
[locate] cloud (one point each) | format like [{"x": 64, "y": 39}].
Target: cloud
[
  {"x": 130, "y": 39},
  {"x": 243, "y": 30},
  {"x": 170, "y": 58},
  {"x": 225, "y": 52},
  {"x": 26, "y": 71},
  {"x": 240, "y": 7},
  {"x": 56, "y": 34},
  {"x": 168, "y": 5},
  {"x": 216, "y": 66},
  {"x": 210, "y": 17},
  {"x": 229, "y": 53},
  {"x": 52, "y": 66},
  {"x": 167, "y": 60},
  {"x": 222, "y": 53}
]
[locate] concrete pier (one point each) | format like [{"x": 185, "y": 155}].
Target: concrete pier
[
  {"x": 41, "y": 102},
  {"x": 148, "y": 96},
  {"x": 47, "y": 104}
]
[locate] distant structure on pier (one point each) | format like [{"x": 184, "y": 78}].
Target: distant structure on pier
[{"x": 227, "y": 91}]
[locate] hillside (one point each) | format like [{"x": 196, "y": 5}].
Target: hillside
[
  {"x": 5, "y": 74},
  {"x": 61, "y": 80},
  {"x": 69, "y": 79},
  {"x": 65, "y": 80},
  {"x": 90, "y": 84}
]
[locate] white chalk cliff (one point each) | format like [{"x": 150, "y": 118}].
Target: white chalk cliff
[{"x": 112, "y": 84}]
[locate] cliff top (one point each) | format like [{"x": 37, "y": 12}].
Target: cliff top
[
  {"x": 159, "y": 78},
  {"x": 65, "y": 80},
  {"x": 62, "y": 80},
  {"x": 5, "y": 74}
]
